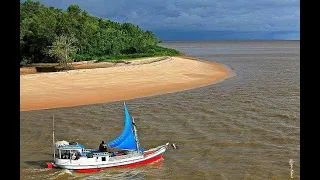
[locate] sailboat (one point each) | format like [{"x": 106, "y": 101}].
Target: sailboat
[{"x": 123, "y": 151}]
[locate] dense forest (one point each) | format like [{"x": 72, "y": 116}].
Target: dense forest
[{"x": 43, "y": 28}]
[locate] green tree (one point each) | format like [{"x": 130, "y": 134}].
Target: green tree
[
  {"x": 96, "y": 37},
  {"x": 61, "y": 49}
]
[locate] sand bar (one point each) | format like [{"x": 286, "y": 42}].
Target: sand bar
[{"x": 115, "y": 83}]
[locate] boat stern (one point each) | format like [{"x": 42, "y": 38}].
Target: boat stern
[{"x": 50, "y": 165}]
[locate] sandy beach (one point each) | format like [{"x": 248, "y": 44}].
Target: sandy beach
[{"x": 141, "y": 78}]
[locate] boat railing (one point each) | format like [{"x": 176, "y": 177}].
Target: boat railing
[
  {"x": 115, "y": 158},
  {"x": 100, "y": 154},
  {"x": 89, "y": 150}
]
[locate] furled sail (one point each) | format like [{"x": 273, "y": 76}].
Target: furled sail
[{"x": 126, "y": 140}]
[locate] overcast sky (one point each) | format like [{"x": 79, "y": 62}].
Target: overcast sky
[{"x": 281, "y": 18}]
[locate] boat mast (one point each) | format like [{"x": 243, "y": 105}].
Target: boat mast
[
  {"x": 136, "y": 135},
  {"x": 54, "y": 149}
]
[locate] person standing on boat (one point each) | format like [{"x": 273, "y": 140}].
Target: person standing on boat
[{"x": 73, "y": 155}]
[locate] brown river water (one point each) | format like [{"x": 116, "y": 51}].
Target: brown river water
[{"x": 246, "y": 127}]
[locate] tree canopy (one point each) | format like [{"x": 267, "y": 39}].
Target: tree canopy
[{"x": 96, "y": 37}]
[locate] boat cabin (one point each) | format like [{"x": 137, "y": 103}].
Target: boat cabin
[{"x": 70, "y": 151}]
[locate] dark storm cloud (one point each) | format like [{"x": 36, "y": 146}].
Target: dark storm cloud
[
  {"x": 243, "y": 15},
  {"x": 192, "y": 15}
]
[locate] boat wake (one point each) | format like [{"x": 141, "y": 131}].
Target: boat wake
[
  {"x": 132, "y": 175},
  {"x": 63, "y": 174},
  {"x": 38, "y": 170}
]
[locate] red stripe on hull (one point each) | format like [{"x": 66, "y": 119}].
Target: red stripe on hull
[
  {"x": 87, "y": 170},
  {"x": 141, "y": 162},
  {"x": 156, "y": 158}
]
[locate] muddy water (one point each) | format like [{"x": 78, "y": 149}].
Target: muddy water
[{"x": 246, "y": 127}]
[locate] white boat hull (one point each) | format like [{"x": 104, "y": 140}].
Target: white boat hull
[{"x": 85, "y": 164}]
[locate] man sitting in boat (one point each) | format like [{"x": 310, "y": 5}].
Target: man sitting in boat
[
  {"x": 75, "y": 155},
  {"x": 103, "y": 147},
  {"x": 115, "y": 151}
]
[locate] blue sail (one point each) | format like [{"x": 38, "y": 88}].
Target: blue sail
[{"x": 126, "y": 139}]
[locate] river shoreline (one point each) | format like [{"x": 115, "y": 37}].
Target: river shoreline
[{"x": 139, "y": 78}]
